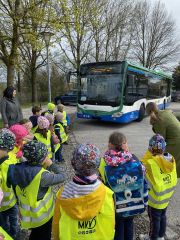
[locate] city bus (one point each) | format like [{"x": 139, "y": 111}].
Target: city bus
[{"x": 118, "y": 91}]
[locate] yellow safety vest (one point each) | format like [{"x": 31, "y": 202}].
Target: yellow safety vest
[
  {"x": 56, "y": 146},
  {"x": 46, "y": 141},
  {"x": 63, "y": 135},
  {"x": 33, "y": 130},
  {"x": 49, "y": 113},
  {"x": 101, "y": 227},
  {"x": 9, "y": 199},
  {"x": 159, "y": 194},
  {"x": 64, "y": 121},
  {"x": 7, "y": 237},
  {"x": 101, "y": 169},
  {"x": 35, "y": 213},
  {"x": 13, "y": 157},
  {"x": 16, "y": 149}
]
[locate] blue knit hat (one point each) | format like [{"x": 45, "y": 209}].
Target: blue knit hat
[
  {"x": 157, "y": 144},
  {"x": 86, "y": 159},
  {"x": 7, "y": 140},
  {"x": 35, "y": 152}
]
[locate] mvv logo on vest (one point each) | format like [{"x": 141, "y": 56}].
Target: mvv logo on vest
[
  {"x": 86, "y": 225},
  {"x": 167, "y": 179},
  {"x": 23, "y": 192},
  {"x": 127, "y": 181}
]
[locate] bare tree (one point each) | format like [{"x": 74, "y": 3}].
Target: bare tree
[{"x": 155, "y": 42}]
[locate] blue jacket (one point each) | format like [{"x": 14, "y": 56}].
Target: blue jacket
[{"x": 33, "y": 119}]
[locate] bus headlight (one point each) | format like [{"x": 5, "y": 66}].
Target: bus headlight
[
  {"x": 79, "y": 111},
  {"x": 117, "y": 114}
]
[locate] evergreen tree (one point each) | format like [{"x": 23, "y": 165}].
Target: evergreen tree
[{"x": 176, "y": 78}]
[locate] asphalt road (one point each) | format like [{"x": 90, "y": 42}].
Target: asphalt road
[{"x": 138, "y": 135}]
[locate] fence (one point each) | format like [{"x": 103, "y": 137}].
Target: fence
[{"x": 24, "y": 98}]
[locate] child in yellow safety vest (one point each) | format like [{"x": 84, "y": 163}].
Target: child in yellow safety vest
[
  {"x": 55, "y": 139},
  {"x": 43, "y": 135},
  {"x": 60, "y": 132},
  {"x": 84, "y": 207},
  {"x": 51, "y": 108},
  {"x": 8, "y": 208},
  {"x": 124, "y": 175},
  {"x": 28, "y": 125},
  {"x": 34, "y": 189},
  {"x": 36, "y": 110},
  {"x": 161, "y": 177},
  {"x": 66, "y": 120},
  {"x": 20, "y": 132}
]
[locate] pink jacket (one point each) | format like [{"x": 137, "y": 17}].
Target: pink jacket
[
  {"x": 20, "y": 132},
  {"x": 55, "y": 140}
]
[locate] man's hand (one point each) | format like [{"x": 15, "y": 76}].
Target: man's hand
[{"x": 6, "y": 125}]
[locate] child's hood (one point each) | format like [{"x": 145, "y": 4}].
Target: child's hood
[
  {"x": 114, "y": 159},
  {"x": 34, "y": 119},
  {"x": 165, "y": 162},
  {"x": 19, "y": 131},
  {"x": 24, "y": 174},
  {"x": 85, "y": 207}
]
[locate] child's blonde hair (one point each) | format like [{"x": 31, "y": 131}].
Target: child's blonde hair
[
  {"x": 60, "y": 107},
  {"x": 117, "y": 139},
  {"x": 152, "y": 111}
]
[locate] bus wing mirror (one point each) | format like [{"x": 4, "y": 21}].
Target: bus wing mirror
[
  {"x": 68, "y": 76},
  {"x": 130, "y": 80}
]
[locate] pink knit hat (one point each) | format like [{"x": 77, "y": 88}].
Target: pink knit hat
[{"x": 42, "y": 122}]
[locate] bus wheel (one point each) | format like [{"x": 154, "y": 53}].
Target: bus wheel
[{"x": 141, "y": 114}]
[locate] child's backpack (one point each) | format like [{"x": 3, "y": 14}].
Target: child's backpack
[{"x": 128, "y": 184}]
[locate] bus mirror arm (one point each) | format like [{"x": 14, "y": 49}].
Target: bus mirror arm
[{"x": 69, "y": 75}]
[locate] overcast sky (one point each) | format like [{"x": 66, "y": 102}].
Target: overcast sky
[{"x": 173, "y": 6}]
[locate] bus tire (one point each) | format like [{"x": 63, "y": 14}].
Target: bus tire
[{"x": 141, "y": 114}]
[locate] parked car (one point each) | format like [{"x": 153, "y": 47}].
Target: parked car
[
  {"x": 69, "y": 97},
  {"x": 175, "y": 96}
]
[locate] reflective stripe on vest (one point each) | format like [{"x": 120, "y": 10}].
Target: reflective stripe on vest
[
  {"x": 39, "y": 219},
  {"x": 63, "y": 135},
  {"x": 47, "y": 141},
  {"x": 9, "y": 199},
  {"x": 160, "y": 194},
  {"x": 64, "y": 121},
  {"x": 35, "y": 213},
  {"x": 91, "y": 229}
]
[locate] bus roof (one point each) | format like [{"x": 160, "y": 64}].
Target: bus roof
[{"x": 155, "y": 72}]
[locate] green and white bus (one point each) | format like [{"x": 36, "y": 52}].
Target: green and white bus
[{"x": 118, "y": 91}]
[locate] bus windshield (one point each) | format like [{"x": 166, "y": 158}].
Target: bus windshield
[{"x": 102, "y": 83}]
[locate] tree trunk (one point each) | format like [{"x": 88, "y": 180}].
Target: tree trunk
[
  {"x": 19, "y": 82},
  {"x": 34, "y": 85},
  {"x": 10, "y": 74}
]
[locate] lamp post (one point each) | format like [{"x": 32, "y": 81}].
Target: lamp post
[{"x": 46, "y": 37}]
